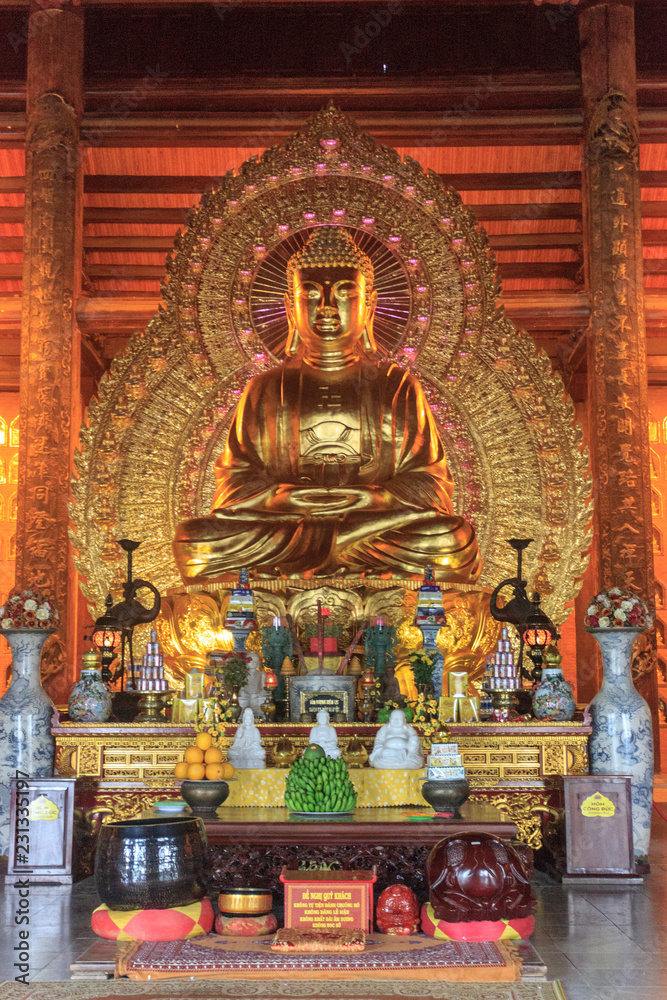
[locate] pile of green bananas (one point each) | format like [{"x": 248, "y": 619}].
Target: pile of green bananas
[{"x": 319, "y": 784}]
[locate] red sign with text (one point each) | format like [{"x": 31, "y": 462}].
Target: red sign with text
[{"x": 329, "y": 900}]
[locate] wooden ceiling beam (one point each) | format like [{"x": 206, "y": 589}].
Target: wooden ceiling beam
[
  {"x": 177, "y": 216},
  {"x": 518, "y": 108},
  {"x": 196, "y": 184},
  {"x": 162, "y": 244}
]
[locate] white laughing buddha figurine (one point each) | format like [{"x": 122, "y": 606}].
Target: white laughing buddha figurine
[
  {"x": 325, "y": 735},
  {"x": 397, "y": 746},
  {"x": 246, "y": 751}
]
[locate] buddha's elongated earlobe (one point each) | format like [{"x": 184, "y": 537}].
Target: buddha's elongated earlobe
[
  {"x": 293, "y": 339},
  {"x": 368, "y": 338}
]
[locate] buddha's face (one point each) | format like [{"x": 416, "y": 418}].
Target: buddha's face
[
  {"x": 397, "y": 719},
  {"x": 330, "y": 310}
]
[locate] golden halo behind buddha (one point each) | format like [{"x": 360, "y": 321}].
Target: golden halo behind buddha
[{"x": 151, "y": 438}]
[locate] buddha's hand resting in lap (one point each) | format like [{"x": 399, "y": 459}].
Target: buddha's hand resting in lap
[{"x": 318, "y": 502}]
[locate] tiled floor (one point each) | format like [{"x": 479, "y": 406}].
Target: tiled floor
[{"x": 603, "y": 945}]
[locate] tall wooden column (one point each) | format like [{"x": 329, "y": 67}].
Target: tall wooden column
[
  {"x": 617, "y": 373},
  {"x": 50, "y": 340}
]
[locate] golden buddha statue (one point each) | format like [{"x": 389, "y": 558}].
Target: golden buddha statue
[{"x": 333, "y": 465}]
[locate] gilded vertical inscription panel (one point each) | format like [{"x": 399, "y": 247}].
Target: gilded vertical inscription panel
[{"x": 618, "y": 379}]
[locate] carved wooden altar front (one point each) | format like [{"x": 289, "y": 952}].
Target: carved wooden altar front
[{"x": 515, "y": 767}]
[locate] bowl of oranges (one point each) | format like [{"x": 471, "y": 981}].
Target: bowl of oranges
[{"x": 205, "y": 775}]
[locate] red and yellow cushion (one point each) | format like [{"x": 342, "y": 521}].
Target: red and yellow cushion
[
  {"x": 475, "y": 930},
  {"x": 176, "y": 923}
]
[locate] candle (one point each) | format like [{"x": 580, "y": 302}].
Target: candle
[{"x": 276, "y": 622}]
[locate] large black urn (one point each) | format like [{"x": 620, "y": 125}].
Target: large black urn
[{"x": 151, "y": 863}]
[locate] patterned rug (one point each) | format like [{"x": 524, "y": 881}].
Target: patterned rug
[
  {"x": 385, "y": 957},
  {"x": 231, "y": 989}
]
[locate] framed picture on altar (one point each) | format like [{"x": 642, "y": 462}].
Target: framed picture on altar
[{"x": 333, "y": 702}]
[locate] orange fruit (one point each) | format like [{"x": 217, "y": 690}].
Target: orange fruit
[
  {"x": 196, "y": 772},
  {"x": 203, "y": 740},
  {"x": 228, "y": 770},
  {"x": 213, "y": 756},
  {"x": 193, "y": 755},
  {"x": 214, "y": 772},
  {"x": 181, "y": 770}
]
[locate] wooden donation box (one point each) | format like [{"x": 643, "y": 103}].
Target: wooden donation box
[
  {"x": 598, "y": 818},
  {"x": 40, "y": 829},
  {"x": 329, "y": 900}
]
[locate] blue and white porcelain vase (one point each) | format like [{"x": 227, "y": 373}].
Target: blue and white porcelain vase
[
  {"x": 26, "y": 744},
  {"x": 622, "y": 739},
  {"x": 90, "y": 699}
]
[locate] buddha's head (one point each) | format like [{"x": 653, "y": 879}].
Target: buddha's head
[
  {"x": 397, "y": 719},
  {"x": 330, "y": 300}
]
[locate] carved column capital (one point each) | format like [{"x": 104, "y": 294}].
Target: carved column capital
[
  {"x": 612, "y": 132},
  {"x": 52, "y": 123}
]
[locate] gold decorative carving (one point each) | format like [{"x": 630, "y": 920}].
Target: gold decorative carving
[
  {"x": 88, "y": 759},
  {"x": 613, "y": 128},
  {"x": 125, "y": 805},
  {"x": 189, "y": 626},
  {"x": 345, "y": 606},
  {"x": 48, "y": 383},
  {"x": 196, "y": 355},
  {"x": 523, "y": 807},
  {"x": 65, "y": 761}
]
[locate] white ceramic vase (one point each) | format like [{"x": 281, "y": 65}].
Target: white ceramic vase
[
  {"x": 622, "y": 739},
  {"x": 26, "y": 744}
]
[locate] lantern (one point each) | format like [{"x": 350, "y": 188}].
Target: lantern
[
  {"x": 537, "y": 633},
  {"x": 106, "y": 638}
]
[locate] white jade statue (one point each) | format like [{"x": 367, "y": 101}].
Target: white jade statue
[
  {"x": 325, "y": 735},
  {"x": 397, "y": 745},
  {"x": 246, "y": 750},
  {"x": 252, "y": 694}
]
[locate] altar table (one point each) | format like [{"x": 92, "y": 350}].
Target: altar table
[
  {"x": 516, "y": 767},
  {"x": 250, "y": 846}
]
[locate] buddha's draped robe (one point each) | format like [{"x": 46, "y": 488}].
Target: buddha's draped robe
[{"x": 361, "y": 440}]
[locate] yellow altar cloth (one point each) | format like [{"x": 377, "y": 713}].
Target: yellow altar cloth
[{"x": 253, "y": 788}]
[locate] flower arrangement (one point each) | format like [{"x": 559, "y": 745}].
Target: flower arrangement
[
  {"x": 423, "y": 666},
  {"x": 618, "y": 608},
  {"x": 426, "y": 715},
  {"x": 216, "y": 729},
  {"x": 28, "y": 608}
]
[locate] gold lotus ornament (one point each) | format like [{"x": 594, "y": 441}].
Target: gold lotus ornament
[
  {"x": 284, "y": 753},
  {"x": 355, "y": 753}
]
